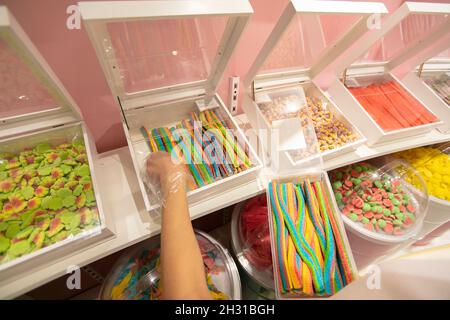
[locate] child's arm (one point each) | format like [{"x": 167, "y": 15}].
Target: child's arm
[{"x": 182, "y": 269}]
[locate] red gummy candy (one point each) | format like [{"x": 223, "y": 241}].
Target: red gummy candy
[
  {"x": 388, "y": 228},
  {"x": 369, "y": 215},
  {"x": 354, "y": 174},
  {"x": 369, "y": 226},
  {"x": 378, "y": 216},
  {"x": 402, "y": 208},
  {"x": 387, "y": 202},
  {"x": 348, "y": 183},
  {"x": 358, "y": 202},
  {"x": 410, "y": 208}
]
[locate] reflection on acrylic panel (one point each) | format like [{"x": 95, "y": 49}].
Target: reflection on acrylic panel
[
  {"x": 160, "y": 53},
  {"x": 305, "y": 40},
  {"x": 411, "y": 29},
  {"x": 21, "y": 89}
]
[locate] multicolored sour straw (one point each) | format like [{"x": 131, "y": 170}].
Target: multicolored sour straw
[
  {"x": 205, "y": 142},
  {"x": 310, "y": 256}
]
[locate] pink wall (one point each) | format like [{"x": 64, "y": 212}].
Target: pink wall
[{"x": 71, "y": 56}]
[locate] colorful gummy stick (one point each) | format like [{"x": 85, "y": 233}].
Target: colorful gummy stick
[
  {"x": 201, "y": 147},
  {"x": 320, "y": 266}
]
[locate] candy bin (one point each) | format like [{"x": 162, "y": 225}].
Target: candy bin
[
  {"x": 383, "y": 207},
  {"x": 250, "y": 237},
  {"x": 49, "y": 201},
  {"x": 375, "y": 98},
  {"x": 310, "y": 251},
  {"x": 433, "y": 163},
  {"x": 136, "y": 274},
  {"x": 164, "y": 62},
  {"x": 281, "y": 84},
  {"x": 425, "y": 69}
]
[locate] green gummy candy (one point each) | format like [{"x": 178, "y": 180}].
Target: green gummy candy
[
  {"x": 3, "y": 175},
  {"x": 38, "y": 239},
  {"x": 353, "y": 216},
  {"x": 28, "y": 193},
  {"x": 4, "y": 244},
  {"x": 66, "y": 169},
  {"x": 387, "y": 185},
  {"x": 12, "y": 230},
  {"x": 60, "y": 236},
  {"x": 387, "y": 212},
  {"x": 69, "y": 201},
  {"x": 381, "y": 223},
  {"x": 365, "y": 220},
  {"x": 71, "y": 220},
  {"x": 395, "y": 210},
  {"x": 85, "y": 180},
  {"x": 358, "y": 168},
  {"x": 338, "y": 175},
  {"x": 45, "y": 171},
  {"x": 411, "y": 216},
  {"x": 55, "y": 203},
  {"x": 83, "y": 170},
  {"x": 78, "y": 190},
  {"x": 24, "y": 233},
  {"x": 90, "y": 196},
  {"x": 43, "y": 147},
  {"x": 3, "y": 226},
  {"x": 378, "y": 184},
  {"x": 397, "y": 222},
  {"x": 64, "y": 192},
  {"x": 391, "y": 195},
  {"x": 337, "y": 185},
  {"x": 55, "y": 227},
  {"x": 366, "y": 207},
  {"x": 395, "y": 202},
  {"x": 400, "y": 216},
  {"x": 19, "y": 248}
]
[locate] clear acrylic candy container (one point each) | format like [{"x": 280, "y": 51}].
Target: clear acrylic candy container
[
  {"x": 251, "y": 242},
  {"x": 379, "y": 206},
  {"x": 128, "y": 281},
  {"x": 433, "y": 163}
]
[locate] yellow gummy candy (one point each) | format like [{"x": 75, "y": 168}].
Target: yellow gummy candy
[{"x": 434, "y": 167}]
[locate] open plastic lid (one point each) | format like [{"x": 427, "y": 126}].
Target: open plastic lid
[
  {"x": 293, "y": 139},
  {"x": 402, "y": 36},
  {"x": 31, "y": 96},
  {"x": 159, "y": 51},
  {"x": 307, "y": 37},
  {"x": 386, "y": 204}
]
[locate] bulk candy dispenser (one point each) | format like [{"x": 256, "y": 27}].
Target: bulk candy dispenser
[
  {"x": 381, "y": 208},
  {"x": 136, "y": 275},
  {"x": 433, "y": 163},
  {"x": 163, "y": 61},
  {"x": 250, "y": 238},
  {"x": 49, "y": 202},
  {"x": 281, "y": 84},
  {"x": 427, "y": 73},
  {"x": 310, "y": 252},
  {"x": 375, "y": 100}
]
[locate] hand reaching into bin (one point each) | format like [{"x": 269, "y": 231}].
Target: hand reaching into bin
[{"x": 182, "y": 270}]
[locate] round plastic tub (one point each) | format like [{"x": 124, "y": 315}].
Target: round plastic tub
[
  {"x": 258, "y": 280},
  {"x": 141, "y": 259},
  {"x": 428, "y": 161},
  {"x": 370, "y": 245}
]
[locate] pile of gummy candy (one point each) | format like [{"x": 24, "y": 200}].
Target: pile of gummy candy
[{"x": 46, "y": 196}]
